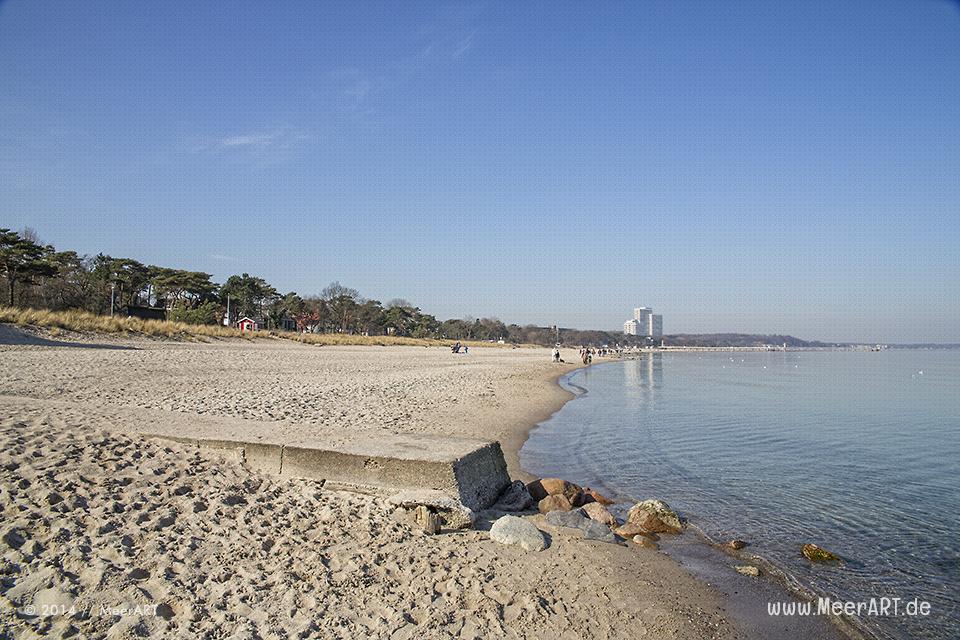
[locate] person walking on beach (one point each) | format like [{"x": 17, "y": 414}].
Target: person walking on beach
[{"x": 556, "y": 355}]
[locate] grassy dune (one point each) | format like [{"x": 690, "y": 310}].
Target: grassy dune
[{"x": 85, "y": 322}]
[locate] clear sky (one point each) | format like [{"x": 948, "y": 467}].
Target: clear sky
[{"x": 788, "y": 167}]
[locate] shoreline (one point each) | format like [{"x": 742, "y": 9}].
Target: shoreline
[
  {"x": 775, "y": 575},
  {"x": 80, "y": 407},
  {"x": 511, "y": 451}
]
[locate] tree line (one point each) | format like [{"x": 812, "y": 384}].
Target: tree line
[{"x": 37, "y": 275}]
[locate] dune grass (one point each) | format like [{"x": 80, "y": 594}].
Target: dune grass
[{"x": 85, "y": 322}]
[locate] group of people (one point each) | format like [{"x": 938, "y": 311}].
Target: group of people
[
  {"x": 586, "y": 354},
  {"x": 458, "y": 348}
]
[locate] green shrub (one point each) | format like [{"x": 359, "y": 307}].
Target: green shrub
[{"x": 206, "y": 313}]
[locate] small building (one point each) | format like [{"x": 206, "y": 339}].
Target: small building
[
  {"x": 247, "y": 324},
  {"x": 146, "y": 313}
]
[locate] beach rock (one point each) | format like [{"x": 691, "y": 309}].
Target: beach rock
[
  {"x": 554, "y": 503},
  {"x": 596, "y": 496},
  {"x": 813, "y": 553},
  {"x": 544, "y": 487},
  {"x": 514, "y": 530},
  {"x": 748, "y": 570},
  {"x": 645, "y": 542},
  {"x": 452, "y": 513},
  {"x": 655, "y": 516},
  {"x": 653, "y": 524},
  {"x": 632, "y": 529},
  {"x": 736, "y": 544},
  {"x": 427, "y": 520},
  {"x": 576, "y": 520},
  {"x": 597, "y": 512},
  {"x": 515, "y": 498}
]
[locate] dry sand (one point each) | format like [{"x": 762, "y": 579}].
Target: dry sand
[
  {"x": 287, "y": 391},
  {"x": 97, "y": 519}
]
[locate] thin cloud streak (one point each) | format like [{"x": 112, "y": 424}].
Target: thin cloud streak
[
  {"x": 248, "y": 140},
  {"x": 463, "y": 47}
]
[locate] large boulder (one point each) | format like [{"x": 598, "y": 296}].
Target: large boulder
[
  {"x": 514, "y": 530},
  {"x": 544, "y": 487},
  {"x": 453, "y": 514},
  {"x": 515, "y": 497},
  {"x": 554, "y": 503},
  {"x": 575, "y": 520},
  {"x": 597, "y": 512},
  {"x": 655, "y": 516}
]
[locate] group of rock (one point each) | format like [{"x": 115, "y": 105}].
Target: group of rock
[{"x": 564, "y": 504}]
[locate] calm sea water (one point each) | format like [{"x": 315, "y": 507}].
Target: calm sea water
[{"x": 856, "y": 451}]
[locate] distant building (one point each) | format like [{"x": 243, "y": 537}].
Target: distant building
[
  {"x": 655, "y": 329},
  {"x": 146, "y": 313},
  {"x": 644, "y": 323},
  {"x": 247, "y": 324},
  {"x": 632, "y": 327}
]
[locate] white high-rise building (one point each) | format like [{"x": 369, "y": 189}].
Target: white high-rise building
[
  {"x": 655, "y": 328},
  {"x": 644, "y": 323}
]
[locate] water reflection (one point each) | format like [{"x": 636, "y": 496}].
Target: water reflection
[{"x": 646, "y": 372}]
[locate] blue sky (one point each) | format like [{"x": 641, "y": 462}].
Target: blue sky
[{"x": 757, "y": 167}]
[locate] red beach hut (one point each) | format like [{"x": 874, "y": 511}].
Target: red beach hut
[{"x": 246, "y": 324}]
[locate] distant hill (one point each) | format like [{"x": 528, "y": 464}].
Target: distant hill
[
  {"x": 571, "y": 337},
  {"x": 739, "y": 340}
]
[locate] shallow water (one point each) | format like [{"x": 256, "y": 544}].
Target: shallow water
[{"x": 858, "y": 452}]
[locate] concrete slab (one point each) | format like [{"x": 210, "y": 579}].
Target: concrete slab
[{"x": 474, "y": 471}]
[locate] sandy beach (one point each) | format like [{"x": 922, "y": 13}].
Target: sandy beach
[{"x": 134, "y": 537}]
